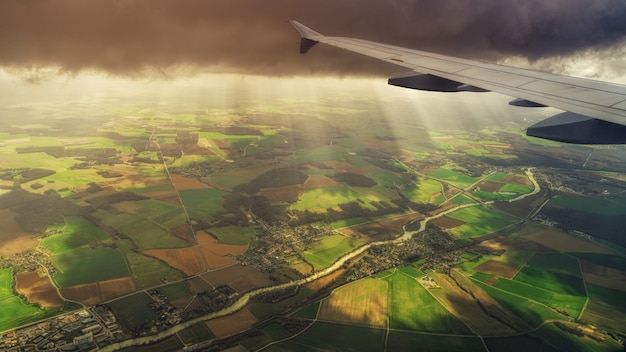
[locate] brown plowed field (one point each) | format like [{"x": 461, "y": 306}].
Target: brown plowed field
[
  {"x": 447, "y": 222},
  {"x": 232, "y": 324},
  {"x": 562, "y": 242},
  {"x": 209, "y": 243},
  {"x": 603, "y": 276},
  {"x": 189, "y": 260},
  {"x": 164, "y": 196},
  {"x": 98, "y": 292},
  {"x": 38, "y": 290},
  {"x": 315, "y": 181},
  {"x": 383, "y": 229},
  {"x": 497, "y": 268},
  {"x": 183, "y": 183},
  {"x": 12, "y": 238},
  {"x": 520, "y": 180},
  {"x": 215, "y": 261},
  {"x": 240, "y": 278},
  {"x": 283, "y": 194},
  {"x": 114, "y": 288},
  {"x": 489, "y": 186}
]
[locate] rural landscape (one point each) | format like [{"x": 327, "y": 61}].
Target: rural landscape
[{"x": 307, "y": 222}]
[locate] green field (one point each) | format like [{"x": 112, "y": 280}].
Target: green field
[
  {"x": 497, "y": 177},
  {"x": 85, "y": 265},
  {"x": 412, "y": 307},
  {"x": 175, "y": 291},
  {"x": 166, "y": 215},
  {"x": 533, "y": 313},
  {"x": 455, "y": 178},
  {"x": 479, "y": 221},
  {"x": 564, "y": 341},
  {"x": 326, "y": 251},
  {"x": 145, "y": 233},
  {"x": 426, "y": 191},
  {"x": 322, "y": 336},
  {"x": 408, "y": 341},
  {"x": 322, "y": 198},
  {"x": 15, "y": 312},
  {"x": 133, "y": 311},
  {"x": 196, "y": 334},
  {"x": 76, "y": 232},
  {"x": 339, "y": 224},
  {"x": 515, "y": 188},
  {"x": 150, "y": 272},
  {"x": 202, "y": 203},
  {"x": 234, "y": 234},
  {"x": 558, "y": 273},
  {"x": 461, "y": 199},
  {"x": 594, "y": 205}
]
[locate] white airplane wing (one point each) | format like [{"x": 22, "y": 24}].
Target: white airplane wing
[{"x": 595, "y": 110}]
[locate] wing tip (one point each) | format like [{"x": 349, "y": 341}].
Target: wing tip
[{"x": 307, "y": 36}]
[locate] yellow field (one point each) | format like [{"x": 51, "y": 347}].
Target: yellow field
[{"x": 362, "y": 302}]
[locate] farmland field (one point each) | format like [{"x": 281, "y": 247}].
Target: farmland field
[
  {"x": 146, "y": 234},
  {"x": 133, "y": 311},
  {"x": 363, "y": 303},
  {"x": 412, "y": 307},
  {"x": 236, "y": 235},
  {"x": 407, "y": 341},
  {"x": 76, "y": 232},
  {"x": 455, "y": 178},
  {"x": 426, "y": 191},
  {"x": 479, "y": 221},
  {"x": 324, "y": 336},
  {"x": 600, "y": 206},
  {"x": 531, "y": 312},
  {"x": 84, "y": 265},
  {"x": 324, "y": 252},
  {"x": 321, "y": 198},
  {"x": 38, "y": 290},
  {"x": 149, "y": 271},
  {"x": 202, "y": 203}
]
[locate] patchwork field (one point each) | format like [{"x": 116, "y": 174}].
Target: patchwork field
[
  {"x": 412, "y": 307},
  {"x": 99, "y": 292},
  {"x": 479, "y": 221}
]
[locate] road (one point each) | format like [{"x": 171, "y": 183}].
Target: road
[{"x": 242, "y": 301}]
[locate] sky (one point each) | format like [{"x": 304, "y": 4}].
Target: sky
[{"x": 40, "y": 39}]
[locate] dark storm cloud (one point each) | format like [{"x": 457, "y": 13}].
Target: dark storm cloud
[{"x": 130, "y": 37}]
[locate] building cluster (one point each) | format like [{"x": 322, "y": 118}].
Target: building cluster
[
  {"x": 83, "y": 330},
  {"x": 169, "y": 315}
]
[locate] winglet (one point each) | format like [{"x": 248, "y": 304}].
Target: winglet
[{"x": 307, "y": 36}]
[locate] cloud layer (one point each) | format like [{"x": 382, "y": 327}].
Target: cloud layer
[{"x": 138, "y": 37}]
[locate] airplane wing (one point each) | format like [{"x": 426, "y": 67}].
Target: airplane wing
[{"x": 595, "y": 110}]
